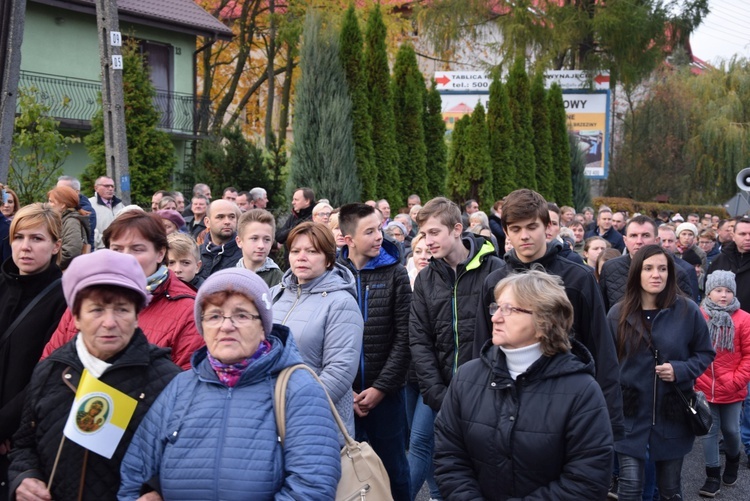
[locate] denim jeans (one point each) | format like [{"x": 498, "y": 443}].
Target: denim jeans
[
  {"x": 385, "y": 430},
  {"x": 668, "y": 477},
  {"x": 727, "y": 418},
  {"x": 421, "y": 442},
  {"x": 745, "y": 425}
]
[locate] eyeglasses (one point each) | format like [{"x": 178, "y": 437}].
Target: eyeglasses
[
  {"x": 324, "y": 214},
  {"x": 239, "y": 319},
  {"x": 506, "y": 309}
]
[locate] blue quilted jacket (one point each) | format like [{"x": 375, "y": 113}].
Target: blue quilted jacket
[{"x": 205, "y": 441}]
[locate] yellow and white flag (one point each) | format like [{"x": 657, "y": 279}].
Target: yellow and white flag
[{"x": 99, "y": 416}]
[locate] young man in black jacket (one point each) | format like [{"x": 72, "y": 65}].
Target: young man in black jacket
[
  {"x": 525, "y": 219},
  {"x": 384, "y": 297},
  {"x": 443, "y": 317}
]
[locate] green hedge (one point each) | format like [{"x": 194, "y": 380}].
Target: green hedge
[{"x": 651, "y": 209}]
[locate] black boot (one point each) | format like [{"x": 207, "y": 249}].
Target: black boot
[
  {"x": 730, "y": 470},
  {"x": 712, "y": 486}
]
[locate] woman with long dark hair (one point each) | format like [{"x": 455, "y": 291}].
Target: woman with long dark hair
[{"x": 660, "y": 333}]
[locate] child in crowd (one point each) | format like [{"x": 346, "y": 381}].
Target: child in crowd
[
  {"x": 255, "y": 232},
  {"x": 183, "y": 258}
]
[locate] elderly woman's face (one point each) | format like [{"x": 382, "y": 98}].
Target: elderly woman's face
[
  {"x": 107, "y": 328},
  {"x": 232, "y": 340},
  {"x": 515, "y": 330}
]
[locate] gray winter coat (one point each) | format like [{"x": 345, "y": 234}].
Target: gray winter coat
[{"x": 327, "y": 327}]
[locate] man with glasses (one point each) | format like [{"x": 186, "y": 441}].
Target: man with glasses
[{"x": 106, "y": 205}]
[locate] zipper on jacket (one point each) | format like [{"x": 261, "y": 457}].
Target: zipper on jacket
[
  {"x": 454, "y": 314},
  {"x": 653, "y": 405},
  {"x": 363, "y": 310},
  {"x": 299, "y": 293}
]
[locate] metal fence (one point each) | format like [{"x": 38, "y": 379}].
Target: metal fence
[{"x": 78, "y": 99}]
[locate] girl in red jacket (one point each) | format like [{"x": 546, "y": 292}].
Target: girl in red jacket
[{"x": 725, "y": 381}]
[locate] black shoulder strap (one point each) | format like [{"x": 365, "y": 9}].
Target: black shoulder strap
[{"x": 28, "y": 309}]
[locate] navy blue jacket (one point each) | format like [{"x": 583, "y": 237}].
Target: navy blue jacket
[{"x": 612, "y": 236}]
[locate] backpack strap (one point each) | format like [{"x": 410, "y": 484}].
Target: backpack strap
[{"x": 28, "y": 309}]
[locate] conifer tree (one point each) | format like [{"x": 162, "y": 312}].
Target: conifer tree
[
  {"x": 352, "y": 58},
  {"x": 434, "y": 138},
  {"x": 377, "y": 76},
  {"x": 581, "y": 184},
  {"x": 519, "y": 100},
  {"x": 151, "y": 155},
  {"x": 323, "y": 151},
  {"x": 560, "y": 146},
  {"x": 500, "y": 130},
  {"x": 478, "y": 161},
  {"x": 545, "y": 181},
  {"x": 458, "y": 179},
  {"x": 408, "y": 106}
]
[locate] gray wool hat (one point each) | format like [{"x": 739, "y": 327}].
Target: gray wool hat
[
  {"x": 721, "y": 278},
  {"x": 238, "y": 280}
]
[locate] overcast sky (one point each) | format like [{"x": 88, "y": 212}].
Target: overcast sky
[{"x": 725, "y": 31}]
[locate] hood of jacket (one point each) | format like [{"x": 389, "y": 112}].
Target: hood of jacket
[
  {"x": 283, "y": 353},
  {"x": 577, "y": 360},
  {"x": 389, "y": 254},
  {"x": 84, "y": 220},
  {"x": 268, "y": 264},
  {"x": 553, "y": 249},
  {"x": 228, "y": 248},
  {"x": 479, "y": 248},
  {"x": 337, "y": 279}
]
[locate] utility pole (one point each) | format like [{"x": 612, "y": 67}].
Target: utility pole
[
  {"x": 11, "y": 23},
  {"x": 113, "y": 101}
]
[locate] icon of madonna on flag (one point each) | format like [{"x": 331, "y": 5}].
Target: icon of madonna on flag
[{"x": 99, "y": 416}]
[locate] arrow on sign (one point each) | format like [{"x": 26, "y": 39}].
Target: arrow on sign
[
  {"x": 600, "y": 79},
  {"x": 443, "y": 80}
]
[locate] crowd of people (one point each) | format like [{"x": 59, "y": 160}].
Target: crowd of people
[{"x": 525, "y": 352}]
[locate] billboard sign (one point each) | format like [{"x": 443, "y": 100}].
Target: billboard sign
[{"x": 586, "y": 100}]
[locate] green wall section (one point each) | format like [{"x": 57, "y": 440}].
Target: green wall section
[{"x": 63, "y": 43}]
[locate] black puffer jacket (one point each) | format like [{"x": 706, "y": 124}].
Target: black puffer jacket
[
  {"x": 444, "y": 314},
  {"x": 590, "y": 325},
  {"x": 141, "y": 371},
  {"x": 384, "y": 297},
  {"x": 20, "y": 352},
  {"x": 492, "y": 432},
  {"x": 614, "y": 277},
  {"x": 218, "y": 257}
]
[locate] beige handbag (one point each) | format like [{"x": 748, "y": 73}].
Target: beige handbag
[{"x": 363, "y": 475}]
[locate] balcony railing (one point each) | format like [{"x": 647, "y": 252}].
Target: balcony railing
[{"x": 77, "y": 99}]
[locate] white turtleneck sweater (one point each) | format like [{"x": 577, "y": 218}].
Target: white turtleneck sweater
[{"x": 520, "y": 359}]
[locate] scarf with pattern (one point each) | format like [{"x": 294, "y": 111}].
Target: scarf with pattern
[
  {"x": 720, "y": 324},
  {"x": 229, "y": 374},
  {"x": 158, "y": 278}
]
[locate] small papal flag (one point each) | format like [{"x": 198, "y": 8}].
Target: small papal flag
[{"x": 99, "y": 416}]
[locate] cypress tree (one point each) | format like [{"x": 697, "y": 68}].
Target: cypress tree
[
  {"x": 545, "y": 181},
  {"x": 323, "y": 150},
  {"x": 434, "y": 138},
  {"x": 151, "y": 155},
  {"x": 458, "y": 179},
  {"x": 581, "y": 184},
  {"x": 351, "y": 59},
  {"x": 478, "y": 161},
  {"x": 377, "y": 76},
  {"x": 408, "y": 109},
  {"x": 519, "y": 100},
  {"x": 558, "y": 122},
  {"x": 500, "y": 129}
]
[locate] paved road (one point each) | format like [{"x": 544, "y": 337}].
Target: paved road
[{"x": 693, "y": 476}]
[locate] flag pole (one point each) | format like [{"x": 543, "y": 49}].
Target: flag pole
[{"x": 54, "y": 466}]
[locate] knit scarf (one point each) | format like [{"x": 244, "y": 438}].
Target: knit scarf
[
  {"x": 229, "y": 374},
  {"x": 158, "y": 278},
  {"x": 720, "y": 323}
]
